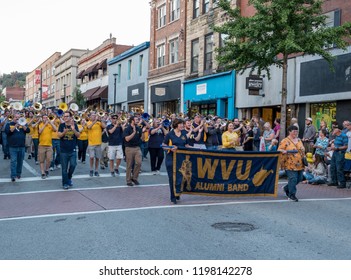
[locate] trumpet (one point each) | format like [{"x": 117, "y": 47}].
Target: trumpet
[
  {"x": 51, "y": 117},
  {"x": 10, "y": 117},
  {"x": 85, "y": 116},
  {"x": 5, "y": 105},
  {"x": 101, "y": 113},
  {"x": 37, "y": 113}
]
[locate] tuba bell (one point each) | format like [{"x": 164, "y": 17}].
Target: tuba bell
[
  {"x": 51, "y": 117},
  {"x": 5, "y": 105},
  {"x": 74, "y": 107},
  {"x": 37, "y": 106},
  {"x": 17, "y": 106},
  {"x": 22, "y": 121},
  {"x": 63, "y": 106}
]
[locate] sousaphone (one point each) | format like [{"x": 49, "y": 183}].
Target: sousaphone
[
  {"x": 63, "y": 106},
  {"x": 17, "y": 106},
  {"x": 74, "y": 107}
]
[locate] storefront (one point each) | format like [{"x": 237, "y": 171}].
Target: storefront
[
  {"x": 135, "y": 98},
  {"x": 213, "y": 94},
  {"x": 165, "y": 98}
]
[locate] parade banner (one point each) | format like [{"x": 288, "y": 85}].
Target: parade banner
[{"x": 216, "y": 172}]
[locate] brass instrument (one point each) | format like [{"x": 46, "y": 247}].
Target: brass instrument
[
  {"x": 101, "y": 113},
  {"x": 5, "y": 105},
  {"x": 73, "y": 107},
  {"x": 37, "y": 106},
  {"x": 76, "y": 118},
  {"x": 17, "y": 106},
  {"x": 63, "y": 106},
  {"x": 10, "y": 117},
  {"x": 37, "y": 114},
  {"x": 22, "y": 121},
  {"x": 51, "y": 117},
  {"x": 85, "y": 116}
]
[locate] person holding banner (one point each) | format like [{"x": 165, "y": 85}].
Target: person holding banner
[
  {"x": 176, "y": 138},
  {"x": 293, "y": 151}
]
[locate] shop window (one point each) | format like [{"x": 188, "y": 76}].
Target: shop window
[{"x": 325, "y": 112}]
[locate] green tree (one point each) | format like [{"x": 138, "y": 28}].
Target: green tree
[
  {"x": 2, "y": 97},
  {"x": 79, "y": 97},
  {"x": 278, "y": 29}
]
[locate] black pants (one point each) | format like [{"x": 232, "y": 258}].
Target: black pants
[
  {"x": 82, "y": 149},
  {"x": 156, "y": 158}
]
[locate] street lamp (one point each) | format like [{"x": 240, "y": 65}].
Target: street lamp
[{"x": 114, "y": 93}]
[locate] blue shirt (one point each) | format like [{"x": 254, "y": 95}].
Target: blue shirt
[
  {"x": 69, "y": 141},
  {"x": 17, "y": 138},
  {"x": 171, "y": 139},
  {"x": 341, "y": 140}
]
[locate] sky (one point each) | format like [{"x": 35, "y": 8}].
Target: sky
[{"x": 33, "y": 30}]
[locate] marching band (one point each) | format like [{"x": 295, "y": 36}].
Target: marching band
[{"x": 108, "y": 138}]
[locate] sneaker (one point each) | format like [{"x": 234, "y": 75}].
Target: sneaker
[
  {"x": 37, "y": 162},
  {"x": 154, "y": 172},
  {"x": 58, "y": 166},
  {"x": 293, "y": 198},
  {"x": 135, "y": 182},
  {"x": 13, "y": 179},
  {"x": 19, "y": 177},
  {"x": 130, "y": 184},
  {"x": 43, "y": 176},
  {"x": 285, "y": 189},
  {"x": 113, "y": 174},
  {"x": 117, "y": 171},
  {"x": 51, "y": 169},
  {"x": 29, "y": 156},
  {"x": 97, "y": 174},
  {"x": 91, "y": 173},
  {"x": 83, "y": 162},
  {"x": 158, "y": 172},
  {"x": 65, "y": 187},
  {"x": 102, "y": 167},
  {"x": 70, "y": 183},
  {"x": 47, "y": 173},
  {"x": 341, "y": 187}
]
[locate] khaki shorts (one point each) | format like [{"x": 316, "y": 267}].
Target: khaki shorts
[
  {"x": 95, "y": 151},
  {"x": 28, "y": 140},
  {"x": 44, "y": 153},
  {"x": 115, "y": 152}
]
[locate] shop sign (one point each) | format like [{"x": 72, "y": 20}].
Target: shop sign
[
  {"x": 160, "y": 91},
  {"x": 254, "y": 83},
  {"x": 135, "y": 92},
  {"x": 201, "y": 89}
]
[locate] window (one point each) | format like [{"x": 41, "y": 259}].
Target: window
[
  {"x": 223, "y": 38},
  {"x": 174, "y": 9},
  {"x": 195, "y": 56},
  {"x": 161, "y": 55},
  {"x": 129, "y": 69},
  {"x": 119, "y": 72},
  {"x": 141, "y": 58},
  {"x": 196, "y": 8},
  {"x": 208, "y": 52},
  {"x": 173, "y": 51},
  {"x": 205, "y": 6},
  {"x": 161, "y": 16}
]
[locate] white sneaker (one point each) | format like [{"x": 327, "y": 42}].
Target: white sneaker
[
  {"x": 51, "y": 169},
  {"x": 154, "y": 172},
  {"x": 158, "y": 172},
  {"x": 58, "y": 166}
]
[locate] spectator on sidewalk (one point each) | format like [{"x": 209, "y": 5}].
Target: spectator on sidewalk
[{"x": 309, "y": 136}]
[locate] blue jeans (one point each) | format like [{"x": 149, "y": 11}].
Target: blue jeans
[
  {"x": 17, "y": 157},
  {"x": 56, "y": 152},
  {"x": 314, "y": 178},
  {"x": 144, "y": 149},
  {"x": 36, "y": 145},
  {"x": 68, "y": 165},
  {"x": 5, "y": 145},
  {"x": 294, "y": 177},
  {"x": 337, "y": 168}
]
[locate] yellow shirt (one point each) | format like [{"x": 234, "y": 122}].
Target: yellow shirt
[
  {"x": 45, "y": 137},
  {"x": 83, "y": 133},
  {"x": 57, "y": 123},
  {"x": 228, "y": 137},
  {"x": 94, "y": 134},
  {"x": 34, "y": 131}
]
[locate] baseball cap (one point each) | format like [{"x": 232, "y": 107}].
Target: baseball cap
[
  {"x": 309, "y": 119},
  {"x": 338, "y": 126}
]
